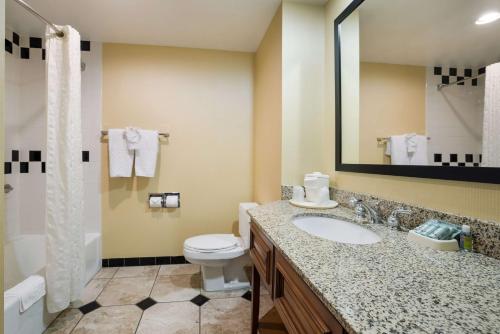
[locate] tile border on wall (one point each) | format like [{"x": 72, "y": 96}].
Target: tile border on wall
[
  {"x": 143, "y": 261},
  {"x": 486, "y": 233}
]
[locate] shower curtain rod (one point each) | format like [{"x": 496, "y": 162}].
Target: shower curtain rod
[
  {"x": 440, "y": 86},
  {"x": 59, "y": 32}
]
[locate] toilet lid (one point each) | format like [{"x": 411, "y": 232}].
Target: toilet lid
[{"x": 212, "y": 242}]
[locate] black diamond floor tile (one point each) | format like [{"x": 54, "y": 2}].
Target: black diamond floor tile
[
  {"x": 247, "y": 295},
  {"x": 87, "y": 308},
  {"x": 146, "y": 303},
  {"x": 199, "y": 300}
]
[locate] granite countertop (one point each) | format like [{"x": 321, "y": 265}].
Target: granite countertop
[{"x": 394, "y": 286}]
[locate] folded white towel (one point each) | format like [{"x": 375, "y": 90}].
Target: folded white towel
[
  {"x": 146, "y": 153},
  {"x": 398, "y": 150},
  {"x": 133, "y": 137},
  {"x": 419, "y": 157},
  {"x": 28, "y": 292},
  {"x": 121, "y": 158},
  {"x": 411, "y": 142}
]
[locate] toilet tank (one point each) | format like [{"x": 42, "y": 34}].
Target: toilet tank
[{"x": 244, "y": 222}]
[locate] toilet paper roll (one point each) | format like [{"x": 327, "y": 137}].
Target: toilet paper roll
[
  {"x": 155, "y": 202},
  {"x": 172, "y": 201}
]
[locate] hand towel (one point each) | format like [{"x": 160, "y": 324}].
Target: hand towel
[
  {"x": 133, "y": 137},
  {"x": 121, "y": 158},
  {"x": 146, "y": 153},
  {"x": 419, "y": 156},
  {"x": 398, "y": 150},
  {"x": 28, "y": 292}
]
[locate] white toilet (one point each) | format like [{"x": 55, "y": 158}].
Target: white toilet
[{"x": 222, "y": 256}]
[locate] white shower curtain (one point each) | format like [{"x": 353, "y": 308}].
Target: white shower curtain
[
  {"x": 64, "y": 191},
  {"x": 491, "y": 121}
]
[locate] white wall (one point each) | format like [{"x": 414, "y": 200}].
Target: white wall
[
  {"x": 454, "y": 118},
  {"x": 25, "y": 130}
]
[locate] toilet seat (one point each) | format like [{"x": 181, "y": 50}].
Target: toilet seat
[{"x": 211, "y": 243}]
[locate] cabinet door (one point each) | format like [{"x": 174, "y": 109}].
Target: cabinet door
[
  {"x": 261, "y": 253},
  {"x": 299, "y": 308}
]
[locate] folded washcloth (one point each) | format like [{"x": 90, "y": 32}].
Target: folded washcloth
[
  {"x": 146, "y": 153},
  {"x": 133, "y": 137},
  {"x": 419, "y": 156},
  {"x": 121, "y": 158},
  {"x": 28, "y": 291},
  {"x": 411, "y": 142}
]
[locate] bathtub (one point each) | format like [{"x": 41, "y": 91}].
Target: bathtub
[{"x": 24, "y": 256}]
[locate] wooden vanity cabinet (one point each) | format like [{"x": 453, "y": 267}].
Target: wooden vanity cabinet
[{"x": 299, "y": 309}]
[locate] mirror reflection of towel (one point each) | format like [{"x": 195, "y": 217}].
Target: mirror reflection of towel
[
  {"x": 409, "y": 149},
  {"x": 419, "y": 156}
]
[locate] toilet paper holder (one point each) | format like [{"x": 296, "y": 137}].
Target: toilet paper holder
[{"x": 164, "y": 198}]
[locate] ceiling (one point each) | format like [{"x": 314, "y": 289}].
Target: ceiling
[
  {"x": 429, "y": 32},
  {"x": 236, "y": 25}
]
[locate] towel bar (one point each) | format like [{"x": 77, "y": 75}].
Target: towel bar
[{"x": 163, "y": 134}]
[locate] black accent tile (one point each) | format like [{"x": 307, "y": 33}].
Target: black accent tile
[
  {"x": 163, "y": 260},
  {"x": 148, "y": 261},
  {"x": 177, "y": 260},
  {"x": 35, "y": 155},
  {"x": 461, "y": 164},
  {"x": 85, "y": 156},
  {"x": 105, "y": 263},
  {"x": 8, "y": 46},
  {"x": 453, "y": 157},
  {"x": 35, "y": 42},
  {"x": 453, "y": 71},
  {"x": 480, "y": 158},
  {"x": 15, "y": 155},
  {"x": 43, "y": 166},
  {"x": 15, "y": 38},
  {"x": 43, "y": 54},
  {"x": 469, "y": 158},
  {"x": 87, "y": 308},
  {"x": 474, "y": 82},
  {"x": 438, "y": 70},
  {"x": 476, "y": 164},
  {"x": 446, "y": 164},
  {"x": 482, "y": 70},
  {"x": 146, "y": 303},
  {"x": 25, "y": 53},
  {"x": 467, "y": 72},
  {"x": 199, "y": 300},
  {"x": 445, "y": 79},
  {"x": 460, "y": 83},
  {"x": 7, "y": 167},
  {"x": 438, "y": 157},
  {"x": 115, "y": 262},
  {"x": 247, "y": 295},
  {"x": 24, "y": 167},
  {"x": 131, "y": 261},
  {"x": 84, "y": 45}
]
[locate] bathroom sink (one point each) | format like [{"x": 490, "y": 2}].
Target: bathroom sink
[{"x": 336, "y": 230}]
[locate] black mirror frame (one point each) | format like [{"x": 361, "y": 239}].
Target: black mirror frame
[{"x": 468, "y": 174}]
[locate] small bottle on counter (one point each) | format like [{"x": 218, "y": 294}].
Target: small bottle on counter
[{"x": 466, "y": 239}]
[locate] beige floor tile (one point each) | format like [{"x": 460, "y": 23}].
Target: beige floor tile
[
  {"x": 226, "y": 316},
  {"x": 91, "y": 291},
  {"x": 179, "y": 269},
  {"x": 142, "y": 271},
  {"x": 110, "y": 320},
  {"x": 176, "y": 288},
  {"x": 106, "y": 273},
  {"x": 224, "y": 294},
  {"x": 170, "y": 318},
  {"x": 65, "y": 322},
  {"x": 266, "y": 303},
  {"x": 123, "y": 291}
]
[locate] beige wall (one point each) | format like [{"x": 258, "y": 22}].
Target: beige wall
[
  {"x": 2, "y": 134},
  {"x": 472, "y": 199},
  {"x": 303, "y": 90},
  {"x": 204, "y": 100},
  {"x": 267, "y": 115},
  {"x": 392, "y": 102}
]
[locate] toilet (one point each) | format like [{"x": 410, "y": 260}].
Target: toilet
[{"x": 222, "y": 257}]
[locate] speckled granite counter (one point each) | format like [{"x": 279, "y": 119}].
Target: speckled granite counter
[{"x": 393, "y": 286}]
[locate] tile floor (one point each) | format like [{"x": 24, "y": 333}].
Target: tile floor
[{"x": 156, "y": 299}]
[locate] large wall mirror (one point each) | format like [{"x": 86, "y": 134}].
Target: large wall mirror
[{"x": 418, "y": 88}]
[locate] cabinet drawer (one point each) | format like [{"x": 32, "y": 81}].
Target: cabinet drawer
[
  {"x": 299, "y": 308},
  {"x": 261, "y": 253}
]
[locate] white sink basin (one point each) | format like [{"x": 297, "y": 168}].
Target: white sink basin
[{"x": 336, "y": 230}]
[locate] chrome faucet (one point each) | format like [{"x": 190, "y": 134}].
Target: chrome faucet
[
  {"x": 361, "y": 209},
  {"x": 393, "y": 220}
]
